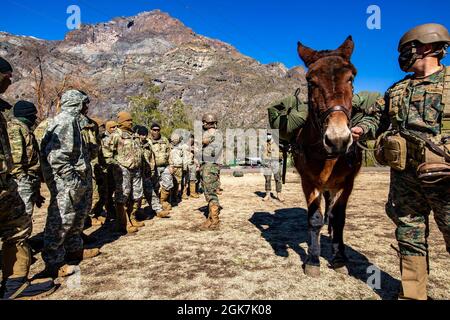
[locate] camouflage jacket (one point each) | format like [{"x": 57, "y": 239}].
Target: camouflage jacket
[
  {"x": 126, "y": 149},
  {"x": 161, "y": 150},
  {"x": 420, "y": 107},
  {"x": 212, "y": 151},
  {"x": 6, "y": 161},
  {"x": 106, "y": 151},
  {"x": 271, "y": 152},
  {"x": 149, "y": 164},
  {"x": 188, "y": 153},
  {"x": 177, "y": 156},
  {"x": 90, "y": 133},
  {"x": 63, "y": 152},
  {"x": 39, "y": 131},
  {"x": 24, "y": 149}
]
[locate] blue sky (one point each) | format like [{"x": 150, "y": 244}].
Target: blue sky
[{"x": 263, "y": 29}]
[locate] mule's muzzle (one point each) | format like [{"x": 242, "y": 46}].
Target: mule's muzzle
[{"x": 337, "y": 137}]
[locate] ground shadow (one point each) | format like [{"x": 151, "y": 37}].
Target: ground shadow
[
  {"x": 287, "y": 228},
  {"x": 260, "y": 194}
]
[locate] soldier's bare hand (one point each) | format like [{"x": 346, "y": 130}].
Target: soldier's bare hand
[{"x": 357, "y": 132}]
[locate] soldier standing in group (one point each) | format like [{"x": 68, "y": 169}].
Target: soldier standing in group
[
  {"x": 148, "y": 173},
  {"x": 68, "y": 174},
  {"x": 211, "y": 153},
  {"x": 414, "y": 116},
  {"x": 100, "y": 185},
  {"x": 110, "y": 127},
  {"x": 15, "y": 223},
  {"x": 127, "y": 159},
  {"x": 190, "y": 176},
  {"x": 25, "y": 153},
  {"x": 90, "y": 134},
  {"x": 161, "y": 151},
  {"x": 272, "y": 161},
  {"x": 176, "y": 165}
]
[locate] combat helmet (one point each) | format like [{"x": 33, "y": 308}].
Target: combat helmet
[
  {"x": 426, "y": 33},
  {"x": 209, "y": 117},
  {"x": 175, "y": 138}
]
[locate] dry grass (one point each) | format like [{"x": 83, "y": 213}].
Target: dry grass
[{"x": 257, "y": 254}]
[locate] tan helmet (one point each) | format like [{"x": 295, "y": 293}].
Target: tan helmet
[
  {"x": 175, "y": 138},
  {"x": 209, "y": 117},
  {"x": 426, "y": 33}
]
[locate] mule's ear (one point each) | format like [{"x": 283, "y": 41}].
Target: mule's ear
[
  {"x": 308, "y": 55},
  {"x": 346, "y": 49}
]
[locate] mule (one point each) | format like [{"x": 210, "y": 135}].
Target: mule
[{"x": 328, "y": 161}]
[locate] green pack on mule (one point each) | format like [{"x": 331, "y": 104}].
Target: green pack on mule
[{"x": 288, "y": 115}]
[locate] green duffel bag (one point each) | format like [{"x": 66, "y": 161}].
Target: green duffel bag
[{"x": 288, "y": 115}]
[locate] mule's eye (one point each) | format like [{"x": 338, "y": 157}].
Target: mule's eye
[{"x": 350, "y": 81}]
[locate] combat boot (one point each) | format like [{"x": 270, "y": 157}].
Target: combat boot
[
  {"x": 164, "y": 197},
  {"x": 185, "y": 196},
  {"x": 205, "y": 224},
  {"x": 414, "y": 277},
  {"x": 22, "y": 289},
  {"x": 98, "y": 221},
  {"x": 162, "y": 214},
  {"x": 133, "y": 220},
  {"x": 214, "y": 211},
  {"x": 122, "y": 222},
  {"x": 56, "y": 271},
  {"x": 81, "y": 255},
  {"x": 193, "y": 190},
  {"x": 280, "y": 197}
]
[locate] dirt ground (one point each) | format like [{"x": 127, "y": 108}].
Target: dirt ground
[{"x": 257, "y": 253}]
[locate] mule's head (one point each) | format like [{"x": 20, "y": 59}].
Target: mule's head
[{"x": 330, "y": 88}]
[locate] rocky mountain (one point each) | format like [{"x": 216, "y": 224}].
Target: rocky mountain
[{"x": 118, "y": 59}]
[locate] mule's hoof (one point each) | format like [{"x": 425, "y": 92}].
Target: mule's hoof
[
  {"x": 341, "y": 270},
  {"x": 312, "y": 271}
]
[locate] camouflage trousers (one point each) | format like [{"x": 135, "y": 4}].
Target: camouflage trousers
[
  {"x": 177, "y": 178},
  {"x": 273, "y": 168},
  {"x": 128, "y": 183},
  {"x": 409, "y": 205},
  {"x": 70, "y": 203},
  {"x": 165, "y": 178},
  {"x": 15, "y": 229},
  {"x": 192, "y": 173},
  {"x": 15, "y": 224},
  {"x": 151, "y": 196},
  {"x": 28, "y": 187},
  {"x": 100, "y": 190},
  {"x": 210, "y": 181}
]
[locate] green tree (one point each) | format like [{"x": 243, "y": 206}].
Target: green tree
[{"x": 145, "y": 110}]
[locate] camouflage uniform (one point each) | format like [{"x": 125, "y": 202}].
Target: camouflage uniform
[
  {"x": 272, "y": 160},
  {"x": 15, "y": 224},
  {"x": 161, "y": 151},
  {"x": 410, "y": 200},
  {"x": 127, "y": 159},
  {"x": 99, "y": 189},
  {"x": 148, "y": 172},
  {"x": 68, "y": 174},
  {"x": 177, "y": 162},
  {"x": 108, "y": 158},
  {"x": 25, "y": 154},
  {"x": 210, "y": 170}
]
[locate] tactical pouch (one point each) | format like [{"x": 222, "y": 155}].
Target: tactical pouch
[
  {"x": 391, "y": 150},
  {"x": 435, "y": 165}
]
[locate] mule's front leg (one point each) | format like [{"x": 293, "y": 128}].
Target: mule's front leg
[
  {"x": 337, "y": 223},
  {"x": 315, "y": 224}
]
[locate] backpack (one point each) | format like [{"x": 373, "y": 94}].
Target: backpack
[{"x": 288, "y": 115}]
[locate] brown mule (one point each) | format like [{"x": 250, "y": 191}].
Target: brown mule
[{"x": 328, "y": 161}]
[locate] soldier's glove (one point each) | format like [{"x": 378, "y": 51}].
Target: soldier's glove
[{"x": 39, "y": 200}]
